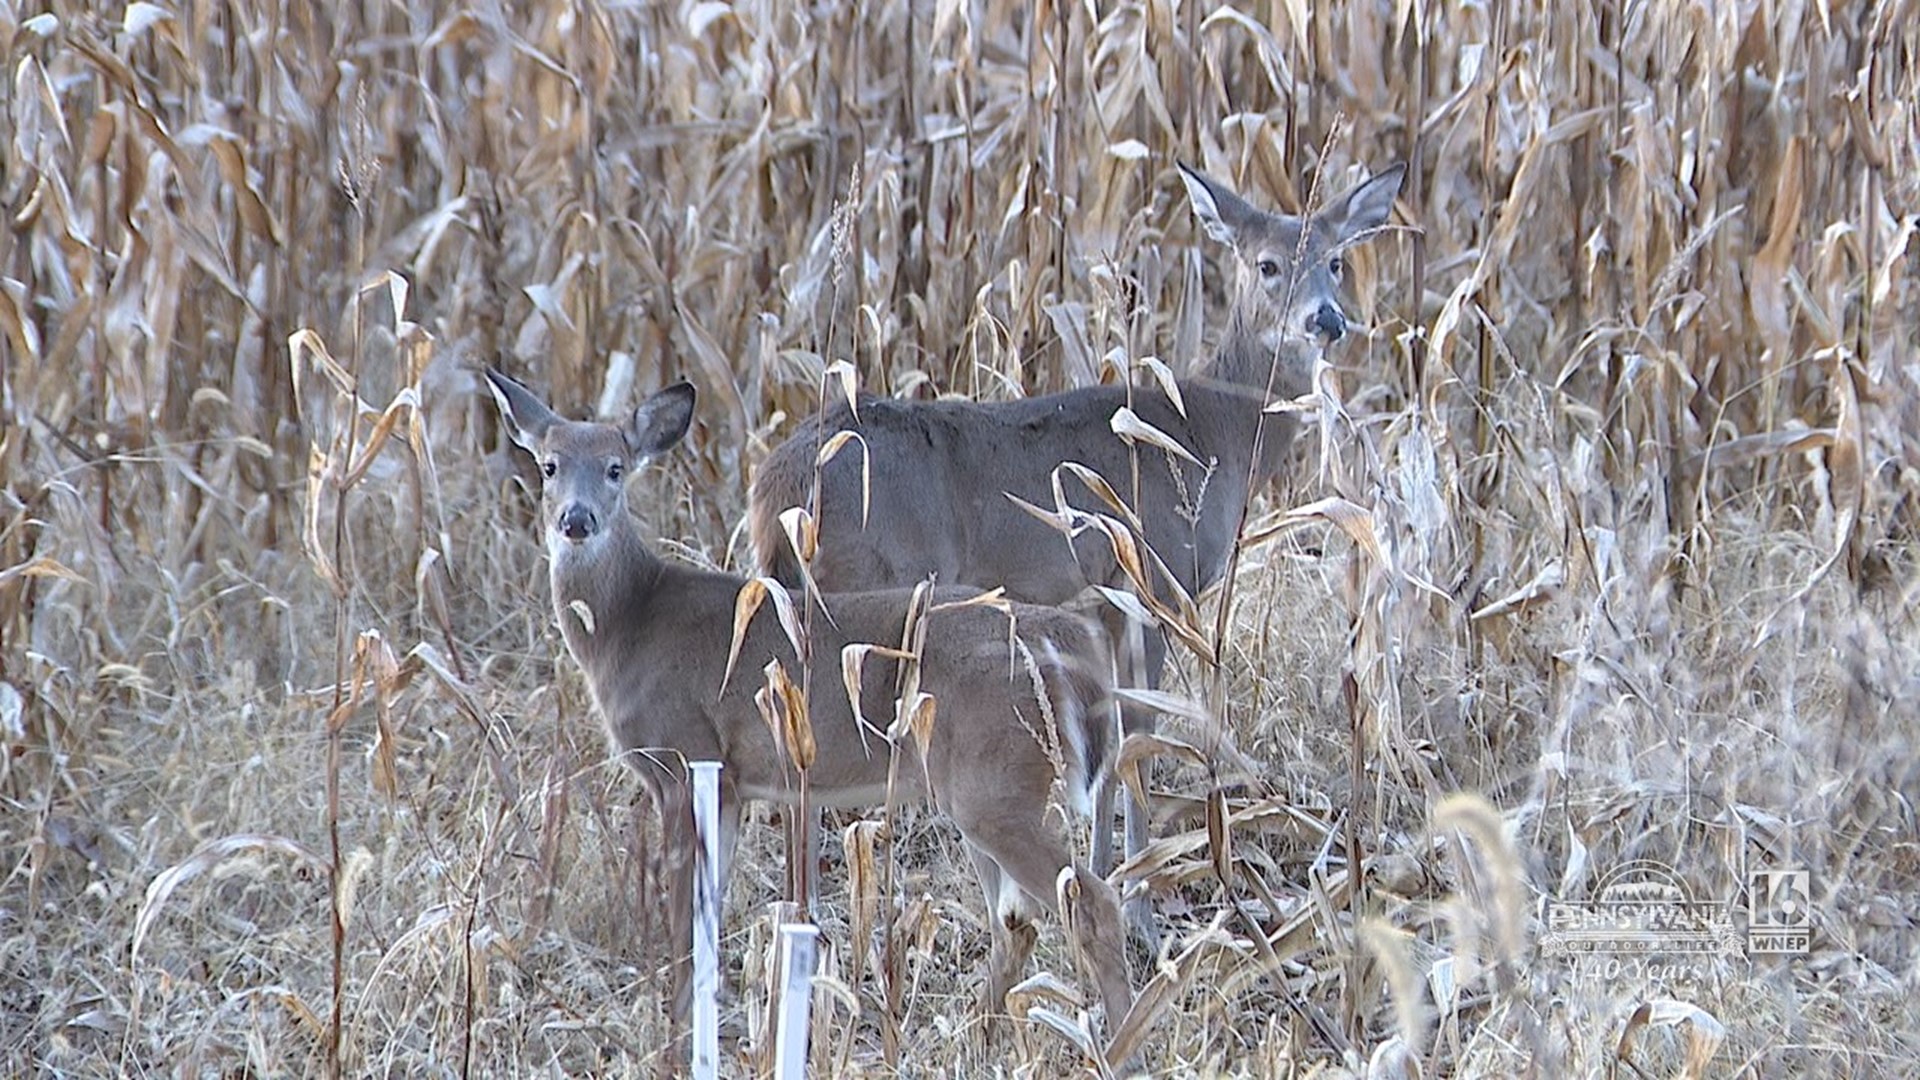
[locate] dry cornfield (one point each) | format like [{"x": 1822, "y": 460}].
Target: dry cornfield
[{"x": 1597, "y": 556}]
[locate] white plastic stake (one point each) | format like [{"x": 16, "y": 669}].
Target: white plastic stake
[
  {"x": 797, "y": 947},
  {"x": 706, "y": 921}
]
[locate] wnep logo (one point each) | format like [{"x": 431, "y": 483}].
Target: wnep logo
[{"x": 1779, "y": 912}]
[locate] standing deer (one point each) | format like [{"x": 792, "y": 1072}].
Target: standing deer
[
  {"x": 653, "y": 640},
  {"x": 940, "y": 473}
]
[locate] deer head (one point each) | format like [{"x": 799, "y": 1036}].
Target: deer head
[
  {"x": 1287, "y": 271},
  {"x": 584, "y": 466}
]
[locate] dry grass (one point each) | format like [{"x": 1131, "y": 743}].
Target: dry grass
[{"x": 1634, "y": 432}]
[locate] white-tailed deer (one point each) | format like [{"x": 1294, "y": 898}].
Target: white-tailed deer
[
  {"x": 941, "y": 472},
  {"x": 1012, "y": 702}
]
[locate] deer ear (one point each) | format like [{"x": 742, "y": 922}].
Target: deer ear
[
  {"x": 1222, "y": 212},
  {"x": 1367, "y": 206},
  {"x": 661, "y": 420},
  {"x": 527, "y": 417}
]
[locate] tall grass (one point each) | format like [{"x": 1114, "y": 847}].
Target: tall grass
[{"x": 297, "y": 773}]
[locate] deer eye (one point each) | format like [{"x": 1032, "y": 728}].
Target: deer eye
[
  {"x": 1268, "y": 268},
  {"x": 1337, "y": 266},
  {"x": 615, "y": 471},
  {"x": 549, "y": 469}
]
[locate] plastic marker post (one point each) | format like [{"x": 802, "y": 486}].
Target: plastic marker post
[
  {"x": 797, "y": 945},
  {"x": 706, "y": 921}
]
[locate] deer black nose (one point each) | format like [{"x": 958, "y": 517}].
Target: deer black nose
[
  {"x": 1330, "y": 323},
  {"x": 577, "y": 523}
]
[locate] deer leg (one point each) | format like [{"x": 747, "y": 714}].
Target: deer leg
[
  {"x": 1010, "y": 928},
  {"x": 1093, "y": 917},
  {"x": 730, "y": 811},
  {"x": 673, "y": 796},
  {"x": 810, "y": 858},
  {"x": 1139, "y": 909},
  {"x": 1029, "y": 858},
  {"x": 674, "y": 802},
  {"x": 730, "y": 808},
  {"x": 1102, "y": 848},
  {"x": 1125, "y": 635},
  {"x": 1094, "y": 922},
  {"x": 1150, "y": 660}
]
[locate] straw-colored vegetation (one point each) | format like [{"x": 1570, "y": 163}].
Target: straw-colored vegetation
[{"x": 1607, "y": 551}]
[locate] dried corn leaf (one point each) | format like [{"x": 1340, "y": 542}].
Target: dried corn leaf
[
  {"x": 1704, "y": 1032},
  {"x": 1127, "y": 604},
  {"x": 1066, "y": 521},
  {"x": 1847, "y": 489},
  {"x": 803, "y": 536},
  {"x": 785, "y": 710},
  {"x": 1075, "y": 1033},
  {"x": 40, "y": 566},
  {"x": 1767, "y": 288},
  {"x": 853, "y": 658},
  {"x": 1163, "y": 377},
  {"x": 22, "y": 334},
  {"x": 915, "y": 716},
  {"x": 996, "y": 599},
  {"x": 1354, "y": 520},
  {"x": 230, "y": 157},
  {"x": 1140, "y": 746},
  {"x": 1095, "y": 483},
  {"x": 1043, "y": 986},
  {"x": 1219, "y": 836},
  {"x": 1544, "y": 585},
  {"x": 848, "y": 379},
  {"x": 1750, "y": 448},
  {"x": 1128, "y": 425},
  {"x": 715, "y": 365},
  {"x": 746, "y": 604},
  {"x": 240, "y": 849},
  {"x": 831, "y": 449},
  {"x": 860, "y": 842},
  {"x": 141, "y": 17},
  {"x": 1170, "y": 984}
]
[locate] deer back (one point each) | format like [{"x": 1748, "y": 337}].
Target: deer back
[{"x": 934, "y": 497}]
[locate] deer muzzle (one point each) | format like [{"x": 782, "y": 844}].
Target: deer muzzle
[
  {"x": 1329, "y": 323},
  {"x": 577, "y": 523}
]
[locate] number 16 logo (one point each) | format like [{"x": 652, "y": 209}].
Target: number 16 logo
[{"x": 1779, "y": 911}]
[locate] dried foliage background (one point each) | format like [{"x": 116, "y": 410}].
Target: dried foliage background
[{"x": 1631, "y": 438}]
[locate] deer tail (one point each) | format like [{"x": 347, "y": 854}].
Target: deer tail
[
  {"x": 774, "y": 490},
  {"x": 1079, "y": 684}
]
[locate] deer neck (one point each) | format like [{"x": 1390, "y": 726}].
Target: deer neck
[
  {"x": 611, "y": 578},
  {"x": 1248, "y": 353},
  {"x": 1237, "y": 378}
]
